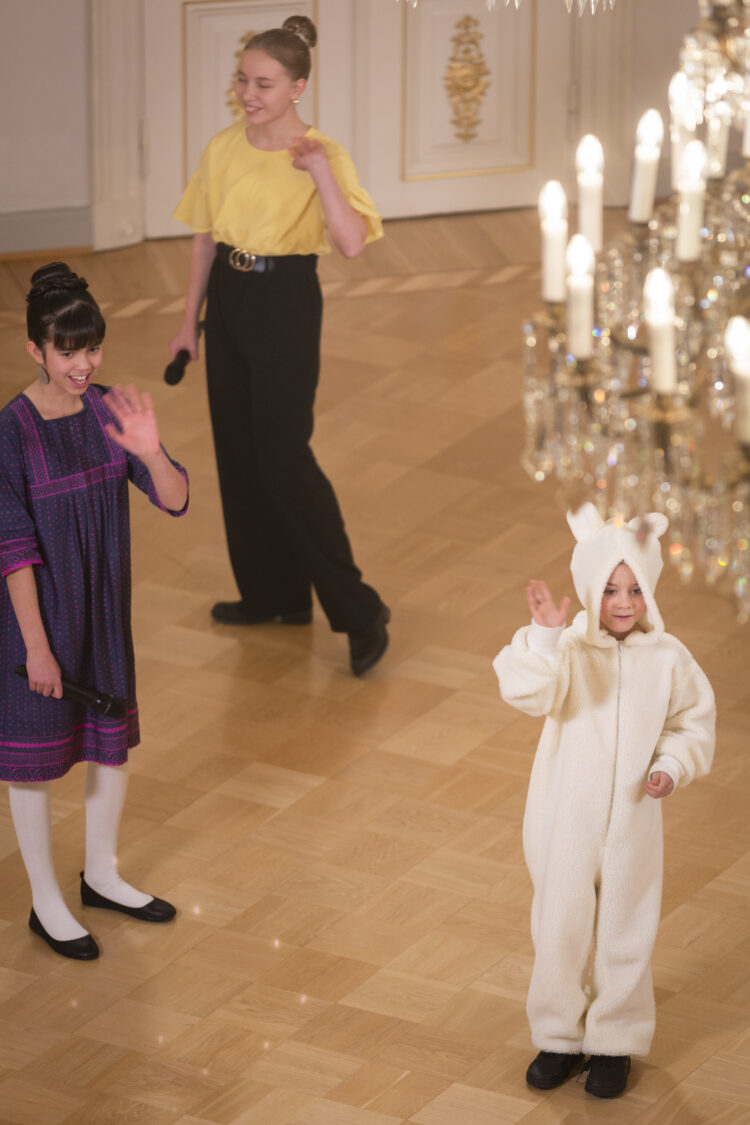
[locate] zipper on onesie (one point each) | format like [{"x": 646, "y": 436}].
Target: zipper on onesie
[{"x": 617, "y": 739}]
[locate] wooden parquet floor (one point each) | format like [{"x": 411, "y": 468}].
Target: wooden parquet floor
[{"x": 352, "y": 946}]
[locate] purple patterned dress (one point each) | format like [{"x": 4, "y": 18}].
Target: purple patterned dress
[{"x": 64, "y": 509}]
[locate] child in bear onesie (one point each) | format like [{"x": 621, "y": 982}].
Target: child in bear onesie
[{"x": 629, "y": 717}]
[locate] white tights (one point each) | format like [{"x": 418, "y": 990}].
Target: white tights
[{"x": 30, "y": 809}]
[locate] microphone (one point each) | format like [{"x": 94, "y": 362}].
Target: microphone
[
  {"x": 175, "y": 370},
  {"x": 98, "y": 701}
]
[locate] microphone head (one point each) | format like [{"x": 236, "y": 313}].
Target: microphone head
[
  {"x": 113, "y": 707},
  {"x": 175, "y": 370}
]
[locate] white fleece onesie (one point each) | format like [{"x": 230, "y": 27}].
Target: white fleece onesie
[{"x": 615, "y": 711}]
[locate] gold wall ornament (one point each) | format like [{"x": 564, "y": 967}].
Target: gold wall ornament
[
  {"x": 232, "y": 100},
  {"x": 466, "y": 78}
]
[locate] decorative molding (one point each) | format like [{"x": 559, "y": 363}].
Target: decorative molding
[
  {"x": 466, "y": 78},
  {"x": 49, "y": 229},
  {"x": 118, "y": 189}
]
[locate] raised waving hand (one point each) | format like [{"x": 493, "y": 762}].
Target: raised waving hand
[{"x": 542, "y": 605}]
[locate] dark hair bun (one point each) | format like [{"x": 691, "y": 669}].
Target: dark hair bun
[
  {"x": 55, "y": 278},
  {"x": 302, "y": 26}
]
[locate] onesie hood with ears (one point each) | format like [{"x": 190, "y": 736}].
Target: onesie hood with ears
[{"x": 600, "y": 547}]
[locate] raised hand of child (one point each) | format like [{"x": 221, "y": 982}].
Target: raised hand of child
[
  {"x": 542, "y": 605},
  {"x": 138, "y": 432},
  {"x": 659, "y": 784}
]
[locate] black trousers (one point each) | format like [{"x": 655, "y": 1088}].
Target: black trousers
[{"x": 284, "y": 527}]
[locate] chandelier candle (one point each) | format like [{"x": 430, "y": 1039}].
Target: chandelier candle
[
  {"x": 589, "y": 166},
  {"x": 691, "y": 186},
  {"x": 737, "y": 345},
  {"x": 683, "y": 121},
  {"x": 553, "y": 212},
  {"x": 718, "y": 121},
  {"x": 658, "y": 304},
  {"x": 580, "y": 261},
  {"x": 649, "y": 137}
]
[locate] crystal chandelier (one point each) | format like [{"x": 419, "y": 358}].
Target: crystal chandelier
[
  {"x": 582, "y": 4},
  {"x": 637, "y": 369}
]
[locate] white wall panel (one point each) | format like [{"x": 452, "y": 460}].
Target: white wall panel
[
  {"x": 44, "y": 107},
  {"x": 415, "y": 163},
  {"x": 504, "y": 127}
]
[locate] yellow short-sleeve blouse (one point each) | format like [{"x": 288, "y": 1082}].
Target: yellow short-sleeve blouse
[{"x": 258, "y": 201}]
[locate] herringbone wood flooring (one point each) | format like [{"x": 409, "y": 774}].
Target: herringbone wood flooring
[{"x": 352, "y": 946}]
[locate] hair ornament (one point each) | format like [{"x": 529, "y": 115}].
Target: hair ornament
[{"x": 303, "y": 28}]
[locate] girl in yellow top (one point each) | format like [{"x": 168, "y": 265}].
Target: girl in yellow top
[{"x": 267, "y": 196}]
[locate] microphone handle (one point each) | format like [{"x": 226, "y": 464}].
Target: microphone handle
[
  {"x": 98, "y": 701},
  {"x": 175, "y": 371}
]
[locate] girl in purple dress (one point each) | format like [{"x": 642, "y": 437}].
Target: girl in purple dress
[{"x": 68, "y": 448}]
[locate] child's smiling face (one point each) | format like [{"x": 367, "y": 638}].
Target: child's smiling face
[{"x": 623, "y": 604}]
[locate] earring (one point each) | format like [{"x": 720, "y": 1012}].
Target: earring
[
  {"x": 42, "y": 375},
  {"x": 295, "y": 101}
]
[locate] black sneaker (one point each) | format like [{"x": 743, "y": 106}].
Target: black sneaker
[
  {"x": 608, "y": 1075},
  {"x": 550, "y": 1069}
]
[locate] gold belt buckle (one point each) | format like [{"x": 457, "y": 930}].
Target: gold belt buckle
[{"x": 241, "y": 260}]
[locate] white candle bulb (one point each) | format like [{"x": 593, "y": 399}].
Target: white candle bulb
[
  {"x": 589, "y": 166},
  {"x": 649, "y": 137},
  {"x": 658, "y": 312},
  {"x": 684, "y": 118},
  {"x": 677, "y": 92},
  {"x": 691, "y": 184},
  {"x": 737, "y": 345},
  {"x": 718, "y": 121},
  {"x": 580, "y": 262},
  {"x": 717, "y": 139},
  {"x": 685, "y": 102},
  {"x": 553, "y": 211}
]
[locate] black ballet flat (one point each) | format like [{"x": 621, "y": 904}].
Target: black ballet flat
[
  {"x": 77, "y": 949},
  {"x": 155, "y": 911},
  {"x": 237, "y": 613}
]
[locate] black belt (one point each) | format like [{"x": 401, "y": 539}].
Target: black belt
[{"x": 246, "y": 262}]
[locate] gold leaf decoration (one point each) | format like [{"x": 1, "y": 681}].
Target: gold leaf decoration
[
  {"x": 466, "y": 78},
  {"x": 232, "y": 102}
]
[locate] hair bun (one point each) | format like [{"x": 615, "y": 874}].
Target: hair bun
[
  {"x": 56, "y": 277},
  {"x": 303, "y": 27}
]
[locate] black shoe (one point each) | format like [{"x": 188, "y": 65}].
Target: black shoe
[
  {"x": 608, "y": 1075},
  {"x": 78, "y": 949},
  {"x": 155, "y": 911},
  {"x": 550, "y": 1069},
  {"x": 366, "y": 646},
  {"x": 236, "y": 613}
]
